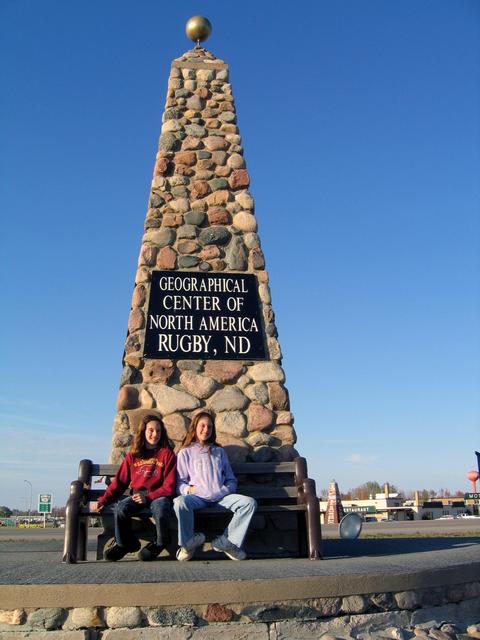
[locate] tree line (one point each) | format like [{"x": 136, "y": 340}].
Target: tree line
[{"x": 372, "y": 487}]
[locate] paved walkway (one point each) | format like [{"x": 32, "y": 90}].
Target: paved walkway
[{"x": 31, "y": 570}]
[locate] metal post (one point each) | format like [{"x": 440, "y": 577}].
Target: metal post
[{"x": 30, "y": 507}]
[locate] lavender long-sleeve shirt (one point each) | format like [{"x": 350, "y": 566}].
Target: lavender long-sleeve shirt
[{"x": 207, "y": 469}]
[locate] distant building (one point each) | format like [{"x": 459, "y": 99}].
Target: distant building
[{"x": 392, "y": 506}]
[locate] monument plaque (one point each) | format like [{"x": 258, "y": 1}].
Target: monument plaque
[{"x": 213, "y": 316}]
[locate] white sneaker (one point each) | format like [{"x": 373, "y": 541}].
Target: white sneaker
[
  {"x": 187, "y": 551},
  {"x": 223, "y": 544}
]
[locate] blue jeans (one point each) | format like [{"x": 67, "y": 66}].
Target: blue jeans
[
  {"x": 126, "y": 508},
  {"x": 243, "y": 509}
]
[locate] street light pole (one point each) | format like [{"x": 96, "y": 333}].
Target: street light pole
[{"x": 30, "y": 508}]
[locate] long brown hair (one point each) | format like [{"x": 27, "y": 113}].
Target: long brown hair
[
  {"x": 191, "y": 435},
  {"x": 138, "y": 446}
]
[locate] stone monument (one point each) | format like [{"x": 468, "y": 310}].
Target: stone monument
[
  {"x": 334, "y": 512},
  {"x": 201, "y": 331}
]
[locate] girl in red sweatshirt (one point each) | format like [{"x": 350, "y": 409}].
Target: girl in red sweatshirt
[{"x": 149, "y": 470}]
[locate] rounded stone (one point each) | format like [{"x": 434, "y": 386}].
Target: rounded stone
[
  {"x": 157, "y": 370},
  {"x": 139, "y": 296},
  {"x": 220, "y": 197},
  {"x": 162, "y": 237},
  {"x": 85, "y": 617},
  {"x": 188, "y": 158},
  {"x": 176, "y": 426},
  {"x": 259, "y": 439},
  {"x": 199, "y": 189},
  {"x": 229, "y": 117},
  {"x": 156, "y": 201},
  {"x": 136, "y": 320},
  {"x": 239, "y": 179},
  {"x": 257, "y": 258},
  {"x": 236, "y": 161},
  {"x": 171, "y": 125},
  {"x": 215, "y": 143},
  {"x": 245, "y": 200},
  {"x": 198, "y": 385},
  {"x": 187, "y": 231},
  {"x": 215, "y": 235},
  {"x": 407, "y": 600},
  {"x": 196, "y": 131},
  {"x": 259, "y": 417},
  {"x": 188, "y": 246},
  {"x": 148, "y": 255},
  {"x": 245, "y": 221},
  {"x": 285, "y": 433},
  {"x": 266, "y": 372},
  {"x": 180, "y": 205},
  {"x": 228, "y": 399},
  {"x": 190, "y": 142},
  {"x": 219, "y": 157},
  {"x": 236, "y": 449},
  {"x": 223, "y": 371},
  {"x": 354, "y": 604},
  {"x": 257, "y": 392},
  {"x": 171, "y": 400},
  {"x": 161, "y": 166},
  {"x": 168, "y": 142},
  {"x": 127, "y": 398},
  {"x": 236, "y": 255},
  {"x": 167, "y": 258},
  {"x": 274, "y": 349},
  {"x": 195, "y": 102},
  {"x": 194, "y": 217},
  {"x": 146, "y": 400},
  {"x": 210, "y": 251},
  {"x": 252, "y": 241},
  {"x": 218, "y": 215},
  {"x": 218, "y": 183},
  {"x": 205, "y": 75},
  {"x": 231, "y": 422},
  {"x": 129, "y": 617},
  {"x": 186, "y": 262},
  {"x": 264, "y": 293}
]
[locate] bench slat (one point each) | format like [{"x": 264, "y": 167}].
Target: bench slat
[
  {"x": 255, "y": 491},
  {"x": 261, "y": 508},
  {"x": 239, "y": 468}
]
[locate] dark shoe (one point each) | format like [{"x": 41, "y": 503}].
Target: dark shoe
[
  {"x": 114, "y": 553},
  {"x": 150, "y": 551}
]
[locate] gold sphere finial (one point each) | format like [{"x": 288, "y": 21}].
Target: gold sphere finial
[{"x": 198, "y": 28}]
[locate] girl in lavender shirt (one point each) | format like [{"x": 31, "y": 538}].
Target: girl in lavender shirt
[{"x": 205, "y": 479}]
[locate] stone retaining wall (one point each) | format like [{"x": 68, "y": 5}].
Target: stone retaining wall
[{"x": 440, "y": 613}]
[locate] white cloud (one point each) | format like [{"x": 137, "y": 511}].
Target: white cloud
[{"x": 359, "y": 458}]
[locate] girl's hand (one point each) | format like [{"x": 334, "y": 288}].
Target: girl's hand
[
  {"x": 96, "y": 507},
  {"x": 139, "y": 498},
  {"x": 191, "y": 489}
]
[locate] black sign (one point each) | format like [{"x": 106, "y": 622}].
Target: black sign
[{"x": 208, "y": 316}]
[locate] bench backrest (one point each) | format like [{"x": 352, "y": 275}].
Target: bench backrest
[{"x": 267, "y": 482}]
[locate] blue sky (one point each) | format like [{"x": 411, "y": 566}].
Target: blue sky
[{"x": 360, "y": 123}]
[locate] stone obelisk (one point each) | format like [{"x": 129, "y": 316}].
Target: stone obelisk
[
  {"x": 201, "y": 331},
  {"x": 334, "y": 512}
]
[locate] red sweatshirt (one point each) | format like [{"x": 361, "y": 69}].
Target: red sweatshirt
[{"x": 155, "y": 474}]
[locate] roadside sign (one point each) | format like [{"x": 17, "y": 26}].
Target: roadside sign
[
  {"x": 369, "y": 509},
  {"x": 45, "y": 503},
  {"x": 472, "y": 496}
]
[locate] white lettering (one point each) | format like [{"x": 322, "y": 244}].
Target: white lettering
[
  {"x": 237, "y": 344},
  {"x": 186, "y": 343}
]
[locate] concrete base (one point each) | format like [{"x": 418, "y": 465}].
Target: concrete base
[{"x": 361, "y": 587}]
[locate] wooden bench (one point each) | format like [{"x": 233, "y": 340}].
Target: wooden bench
[{"x": 278, "y": 487}]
